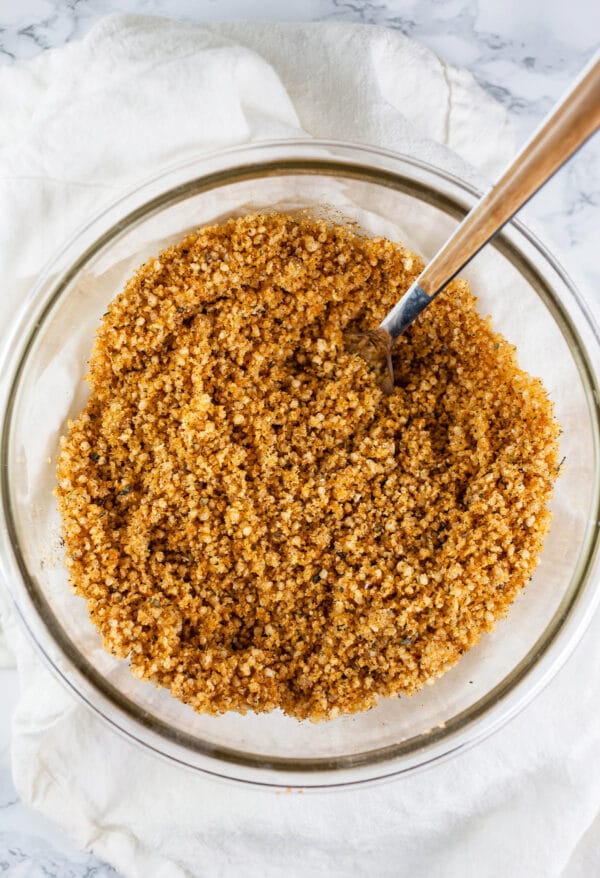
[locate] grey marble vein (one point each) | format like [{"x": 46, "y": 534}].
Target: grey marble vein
[{"x": 31, "y": 846}]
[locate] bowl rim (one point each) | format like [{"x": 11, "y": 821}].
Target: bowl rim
[{"x": 516, "y": 690}]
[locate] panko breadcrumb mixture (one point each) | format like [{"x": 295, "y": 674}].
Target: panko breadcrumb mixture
[{"x": 252, "y": 521}]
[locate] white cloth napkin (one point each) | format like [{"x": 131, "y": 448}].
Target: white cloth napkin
[{"x": 78, "y": 126}]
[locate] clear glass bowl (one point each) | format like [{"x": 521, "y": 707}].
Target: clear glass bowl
[{"x": 532, "y": 302}]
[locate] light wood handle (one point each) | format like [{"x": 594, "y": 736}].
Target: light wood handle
[{"x": 569, "y": 125}]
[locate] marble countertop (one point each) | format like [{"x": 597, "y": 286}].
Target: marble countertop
[{"x": 524, "y": 52}]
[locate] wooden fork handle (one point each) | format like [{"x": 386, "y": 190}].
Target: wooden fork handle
[
  {"x": 575, "y": 119},
  {"x": 567, "y": 127}
]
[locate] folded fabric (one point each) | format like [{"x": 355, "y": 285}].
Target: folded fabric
[
  {"x": 79, "y": 126},
  {"x": 83, "y": 124}
]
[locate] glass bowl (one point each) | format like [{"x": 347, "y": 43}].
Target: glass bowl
[{"x": 532, "y": 302}]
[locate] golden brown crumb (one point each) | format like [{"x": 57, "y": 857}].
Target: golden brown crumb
[{"x": 252, "y": 521}]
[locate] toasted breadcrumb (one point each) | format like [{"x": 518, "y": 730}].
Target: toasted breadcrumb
[{"x": 252, "y": 521}]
